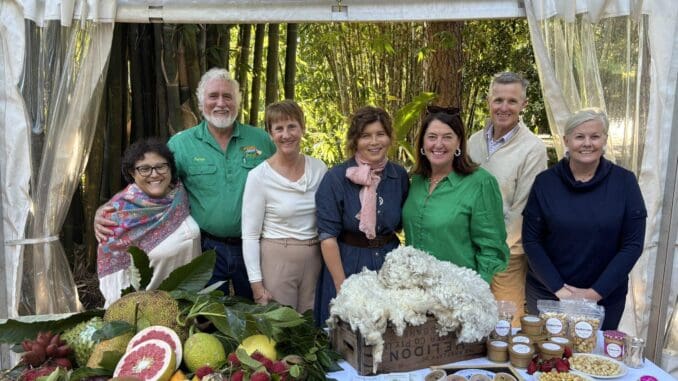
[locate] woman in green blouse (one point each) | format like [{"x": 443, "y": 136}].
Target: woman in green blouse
[{"x": 454, "y": 208}]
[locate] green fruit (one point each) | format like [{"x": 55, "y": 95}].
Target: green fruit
[
  {"x": 155, "y": 308},
  {"x": 116, "y": 344},
  {"x": 203, "y": 349},
  {"x": 80, "y": 339},
  {"x": 152, "y": 360}
]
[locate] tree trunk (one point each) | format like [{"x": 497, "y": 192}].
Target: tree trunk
[
  {"x": 272, "y": 63},
  {"x": 170, "y": 77},
  {"x": 190, "y": 39},
  {"x": 243, "y": 64},
  {"x": 217, "y": 45},
  {"x": 291, "y": 60},
  {"x": 443, "y": 66},
  {"x": 256, "y": 73}
]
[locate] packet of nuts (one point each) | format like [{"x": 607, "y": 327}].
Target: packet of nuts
[
  {"x": 584, "y": 318},
  {"x": 553, "y": 314}
]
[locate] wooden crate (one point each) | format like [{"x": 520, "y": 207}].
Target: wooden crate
[{"x": 418, "y": 347}]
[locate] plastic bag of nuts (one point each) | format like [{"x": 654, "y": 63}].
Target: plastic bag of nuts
[
  {"x": 554, "y": 317},
  {"x": 584, "y": 318}
]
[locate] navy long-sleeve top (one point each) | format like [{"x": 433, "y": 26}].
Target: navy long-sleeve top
[{"x": 586, "y": 234}]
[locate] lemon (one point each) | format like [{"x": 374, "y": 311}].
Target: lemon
[
  {"x": 203, "y": 349},
  {"x": 261, "y": 343}
]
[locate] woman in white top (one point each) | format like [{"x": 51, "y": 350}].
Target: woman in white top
[
  {"x": 279, "y": 236},
  {"x": 151, "y": 213}
]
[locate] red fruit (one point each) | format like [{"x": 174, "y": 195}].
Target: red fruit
[
  {"x": 233, "y": 359},
  {"x": 63, "y": 363},
  {"x": 260, "y": 376},
  {"x": 279, "y": 367},
  {"x": 33, "y": 374},
  {"x": 238, "y": 376},
  {"x": 532, "y": 367},
  {"x": 27, "y": 345},
  {"x": 257, "y": 356},
  {"x": 204, "y": 371},
  {"x": 567, "y": 353},
  {"x": 51, "y": 350},
  {"x": 546, "y": 366},
  {"x": 562, "y": 366},
  {"x": 268, "y": 364}
]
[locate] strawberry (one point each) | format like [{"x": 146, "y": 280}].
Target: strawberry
[
  {"x": 532, "y": 367},
  {"x": 567, "y": 353},
  {"x": 546, "y": 366},
  {"x": 562, "y": 366}
]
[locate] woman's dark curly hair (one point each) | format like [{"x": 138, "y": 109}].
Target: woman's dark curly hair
[
  {"x": 360, "y": 119},
  {"x": 136, "y": 152}
]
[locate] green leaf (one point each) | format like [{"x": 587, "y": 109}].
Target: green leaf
[
  {"x": 283, "y": 314},
  {"x": 15, "y": 330},
  {"x": 112, "y": 329},
  {"x": 83, "y": 373},
  {"x": 192, "y": 276},
  {"x": 142, "y": 264},
  {"x": 264, "y": 326},
  {"x": 57, "y": 374},
  {"x": 246, "y": 360},
  {"x": 295, "y": 371}
]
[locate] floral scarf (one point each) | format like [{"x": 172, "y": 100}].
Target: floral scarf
[
  {"x": 369, "y": 177},
  {"x": 143, "y": 221}
]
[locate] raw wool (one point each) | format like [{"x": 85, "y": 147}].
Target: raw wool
[{"x": 411, "y": 285}]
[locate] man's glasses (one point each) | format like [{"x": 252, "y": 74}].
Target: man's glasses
[
  {"x": 146, "y": 170},
  {"x": 431, "y": 109}
]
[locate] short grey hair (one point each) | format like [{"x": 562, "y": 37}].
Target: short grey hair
[
  {"x": 586, "y": 115},
  {"x": 216, "y": 73},
  {"x": 506, "y": 78}
]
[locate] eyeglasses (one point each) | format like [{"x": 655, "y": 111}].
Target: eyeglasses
[
  {"x": 146, "y": 170},
  {"x": 432, "y": 109}
]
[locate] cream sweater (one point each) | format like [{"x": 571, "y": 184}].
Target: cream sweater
[{"x": 515, "y": 165}]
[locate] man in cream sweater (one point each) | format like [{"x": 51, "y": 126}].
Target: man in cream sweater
[{"x": 514, "y": 155}]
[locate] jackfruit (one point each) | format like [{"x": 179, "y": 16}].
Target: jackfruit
[
  {"x": 155, "y": 308},
  {"x": 80, "y": 339},
  {"x": 116, "y": 344}
]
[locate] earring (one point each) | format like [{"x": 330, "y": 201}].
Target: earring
[
  {"x": 457, "y": 153},
  {"x": 423, "y": 153}
]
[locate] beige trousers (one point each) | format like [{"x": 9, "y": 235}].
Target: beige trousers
[
  {"x": 510, "y": 285},
  {"x": 290, "y": 269}
]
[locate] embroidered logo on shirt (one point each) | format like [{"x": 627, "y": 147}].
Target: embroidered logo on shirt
[
  {"x": 198, "y": 158},
  {"x": 250, "y": 152}
]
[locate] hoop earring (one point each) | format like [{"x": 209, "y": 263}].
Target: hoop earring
[
  {"x": 457, "y": 153},
  {"x": 423, "y": 153}
]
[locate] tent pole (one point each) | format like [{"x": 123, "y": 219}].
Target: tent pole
[{"x": 668, "y": 228}]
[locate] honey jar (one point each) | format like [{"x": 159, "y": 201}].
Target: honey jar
[
  {"x": 520, "y": 355},
  {"x": 497, "y": 351},
  {"x": 531, "y": 325},
  {"x": 550, "y": 350}
]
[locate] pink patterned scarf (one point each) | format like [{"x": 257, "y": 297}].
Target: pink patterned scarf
[
  {"x": 143, "y": 221},
  {"x": 369, "y": 177}
]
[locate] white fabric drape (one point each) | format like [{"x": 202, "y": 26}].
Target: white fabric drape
[
  {"x": 66, "y": 55},
  {"x": 14, "y": 149},
  {"x": 610, "y": 55}
]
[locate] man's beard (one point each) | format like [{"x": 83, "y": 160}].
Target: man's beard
[{"x": 220, "y": 122}]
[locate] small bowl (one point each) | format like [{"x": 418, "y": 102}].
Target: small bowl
[
  {"x": 435, "y": 375},
  {"x": 504, "y": 377}
]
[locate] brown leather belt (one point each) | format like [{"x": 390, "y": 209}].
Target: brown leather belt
[{"x": 360, "y": 240}]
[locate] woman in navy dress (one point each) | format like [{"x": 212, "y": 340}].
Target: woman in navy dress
[{"x": 358, "y": 204}]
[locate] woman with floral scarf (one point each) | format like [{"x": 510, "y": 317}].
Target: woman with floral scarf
[
  {"x": 358, "y": 205},
  {"x": 151, "y": 213}
]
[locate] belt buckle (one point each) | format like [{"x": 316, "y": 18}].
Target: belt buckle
[{"x": 374, "y": 243}]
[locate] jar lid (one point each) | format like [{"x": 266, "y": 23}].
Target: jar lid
[
  {"x": 551, "y": 347},
  {"x": 560, "y": 340},
  {"x": 647, "y": 378},
  {"x": 522, "y": 349},
  {"x": 531, "y": 319},
  {"x": 499, "y": 344},
  {"x": 615, "y": 335},
  {"x": 521, "y": 339}
]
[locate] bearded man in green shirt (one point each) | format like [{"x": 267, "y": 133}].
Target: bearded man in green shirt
[{"x": 213, "y": 160}]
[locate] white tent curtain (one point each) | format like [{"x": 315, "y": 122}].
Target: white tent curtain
[
  {"x": 612, "y": 55},
  {"x": 63, "y": 65}
]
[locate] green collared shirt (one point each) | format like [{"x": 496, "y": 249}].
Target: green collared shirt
[
  {"x": 461, "y": 221},
  {"x": 215, "y": 179}
]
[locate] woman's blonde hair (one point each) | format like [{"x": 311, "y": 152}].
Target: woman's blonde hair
[{"x": 586, "y": 115}]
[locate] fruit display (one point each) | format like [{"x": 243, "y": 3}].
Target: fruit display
[
  {"x": 182, "y": 331},
  {"x": 547, "y": 364}
]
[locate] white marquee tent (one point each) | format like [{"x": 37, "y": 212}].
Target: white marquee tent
[{"x": 566, "y": 59}]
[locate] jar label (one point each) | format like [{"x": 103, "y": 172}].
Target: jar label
[
  {"x": 614, "y": 350},
  {"x": 521, "y": 348},
  {"x": 503, "y": 328},
  {"x": 554, "y": 326},
  {"x": 499, "y": 344},
  {"x": 583, "y": 329},
  {"x": 531, "y": 319},
  {"x": 521, "y": 339},
  {"x": 551, "y": 346},
  {"x": 560, "y": 340}
]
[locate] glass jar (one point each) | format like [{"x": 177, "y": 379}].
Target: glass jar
[{"x": 614, "y": 344}]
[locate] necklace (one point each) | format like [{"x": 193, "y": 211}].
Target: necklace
[{"x": 435, "y": 181}]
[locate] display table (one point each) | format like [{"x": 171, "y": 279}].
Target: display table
[{"x": 349, "y": 374}]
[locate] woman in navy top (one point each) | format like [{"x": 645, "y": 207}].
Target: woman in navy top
[
  {"x": 358, "y": 205},
  {"x": 584, "y": 223}
]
